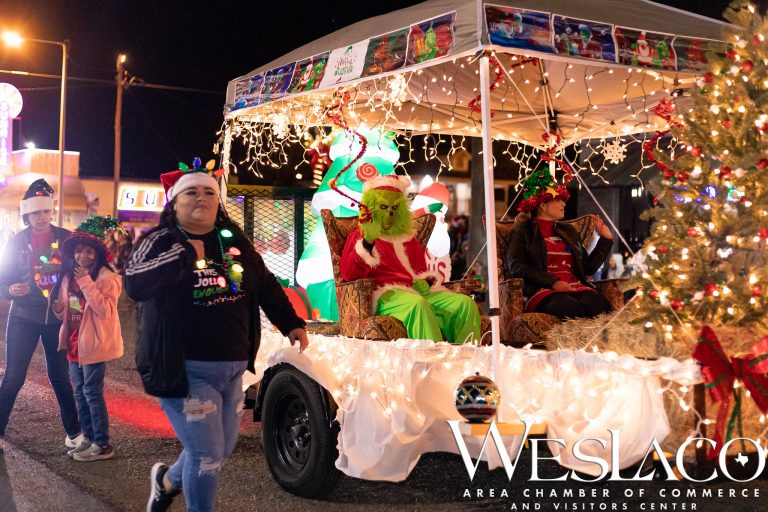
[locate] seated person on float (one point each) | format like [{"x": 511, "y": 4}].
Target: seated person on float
[
  {"x": 385, "y": 249},
  {"x": 550, "y": 257}
]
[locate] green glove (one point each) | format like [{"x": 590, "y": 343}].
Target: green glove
[
  {"x": 371, "y": 230},
  {"x": 421, "y": 287}
]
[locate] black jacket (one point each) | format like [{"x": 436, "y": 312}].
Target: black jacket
[
  {"x": 157, "y": 265},
  {"x": 15, "y": 267},
  {"x": 527, "y": 255}
]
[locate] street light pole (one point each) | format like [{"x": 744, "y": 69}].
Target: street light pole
[
  {"x": 118, "y": 117},
  {"x": 62, "y": 123}
]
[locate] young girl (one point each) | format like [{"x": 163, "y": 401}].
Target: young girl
[{"x": 90, "y": 331}]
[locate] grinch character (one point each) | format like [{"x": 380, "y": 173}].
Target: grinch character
[
  {"x": 661, "y": 54},
  {"x": 386, "y": 250}
]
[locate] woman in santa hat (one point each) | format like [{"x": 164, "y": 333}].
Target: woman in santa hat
[{"x": 29, "y": 269}]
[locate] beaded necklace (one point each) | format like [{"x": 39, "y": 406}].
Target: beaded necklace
[{"x": 232, "y": 270}]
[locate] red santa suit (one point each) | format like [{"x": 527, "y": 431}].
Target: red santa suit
[{"x": 394, "y": 264}]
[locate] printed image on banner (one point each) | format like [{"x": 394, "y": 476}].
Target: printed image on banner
[
  {"x": 248, "y": 92},
  {"x": 276, "y": 82},
  {"x": 430, "y": 39},
  {"x": 345, "y": 64},
  {"x": 386, "y": 52},
  {"x": 647, "y": 49},
  {"x": 582, "y": 38},
  {"x": 309, "y": 72},
  {"x": 519, "y": 28},
  {"x": 692, "y": 53}
]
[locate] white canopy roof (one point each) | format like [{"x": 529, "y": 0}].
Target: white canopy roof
[{"x": 597, "y": 67}]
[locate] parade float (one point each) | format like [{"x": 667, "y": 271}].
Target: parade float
[{"x": 553, "y": 82}]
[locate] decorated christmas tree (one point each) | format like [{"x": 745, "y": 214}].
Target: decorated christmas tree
[{"x": 707, "y": 257}]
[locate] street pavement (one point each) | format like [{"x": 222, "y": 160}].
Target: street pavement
[{"x": 36, "y": 475}]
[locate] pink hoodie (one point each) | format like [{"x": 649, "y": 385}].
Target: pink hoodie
[{"x": 99, "y": 338}]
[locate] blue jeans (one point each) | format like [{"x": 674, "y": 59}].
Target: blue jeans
[
  {"x": 88, "y": 385},
  {"x": 20, "y": 343},
  {"x": 207, "y": 423}
]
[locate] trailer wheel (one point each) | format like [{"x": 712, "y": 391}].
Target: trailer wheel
[{"x": 299, "y": 435}]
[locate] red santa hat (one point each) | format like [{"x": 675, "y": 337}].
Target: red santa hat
[
  {"x": 175, "y": 182},
  {"x": 388, "y": 182}
]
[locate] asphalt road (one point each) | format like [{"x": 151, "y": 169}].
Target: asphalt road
[{"x": 35, "y": 474}]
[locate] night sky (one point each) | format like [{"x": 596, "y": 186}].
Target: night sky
[{"x": 193, "y": 44}]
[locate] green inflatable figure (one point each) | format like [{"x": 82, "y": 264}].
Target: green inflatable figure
[{"x": 315, "y": 270}]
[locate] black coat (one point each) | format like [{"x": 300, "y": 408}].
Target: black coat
[
  {"x": 527, "y": 255},
  {"x": 157, "y": 265},
  {"x": 15, "y": 267}
]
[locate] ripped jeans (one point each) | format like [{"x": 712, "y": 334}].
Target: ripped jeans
[{"x": 207, "y": 424}]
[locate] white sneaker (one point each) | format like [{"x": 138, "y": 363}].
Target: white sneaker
[
  {"x": 95, "y": 452},
  {"x": 73, "y": 442},
  {"x": 84, "y": 445}
]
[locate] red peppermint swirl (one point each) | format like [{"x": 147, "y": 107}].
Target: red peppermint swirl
[{"x": 366, "y": 172}]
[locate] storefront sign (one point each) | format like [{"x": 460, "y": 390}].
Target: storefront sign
[
  {"x": 141, "y": 198},
  {"x": 10, "y": 107}
]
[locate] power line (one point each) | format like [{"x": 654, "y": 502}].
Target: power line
[{"x": 134, "y": 83}]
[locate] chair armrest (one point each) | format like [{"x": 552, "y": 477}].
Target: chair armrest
[
  {"x": 354, "y": 305},
  {"x": 463, "y": 286}
]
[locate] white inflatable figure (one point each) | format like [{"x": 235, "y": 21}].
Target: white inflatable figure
[{"x": 434, "y": 198}]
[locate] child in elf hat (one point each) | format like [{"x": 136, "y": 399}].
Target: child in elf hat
[
  {"x": 549, "y": 256},
  {"x": 90, "y": 332}
]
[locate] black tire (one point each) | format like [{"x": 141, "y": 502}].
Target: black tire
[{"x": 299, "y": 434}]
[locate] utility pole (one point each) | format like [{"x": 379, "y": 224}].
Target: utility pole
[{"x": 118, "y": 116}]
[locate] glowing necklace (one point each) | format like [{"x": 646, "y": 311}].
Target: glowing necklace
[{"x": 232, "y": 270}]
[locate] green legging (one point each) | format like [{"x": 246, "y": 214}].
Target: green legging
[{"x": 425, "y": 317}]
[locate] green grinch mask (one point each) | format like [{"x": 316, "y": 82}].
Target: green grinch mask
[{"x": 389, "y": 209}]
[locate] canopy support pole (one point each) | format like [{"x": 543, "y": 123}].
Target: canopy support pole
[
  {"x": 490, "y": 208},
  {"x": 225, "y": 161}
]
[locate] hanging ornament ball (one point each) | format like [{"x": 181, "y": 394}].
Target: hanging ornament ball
[
  {"x": 669, "y": 175},
  {"x": 366, "y": 172},
  {"x": 279, "y": 243},
  {"x": 762, "y": 164},
  {"x": 709, "y": 77},
  {"x": 725, "y": 171},
  {"x": 763, "y": 234},
  {"x": 676, "y": 304},
  {"x": 693, "y": 232},
  {"x": 662, "y": 249},
  {"x": 710, "y": 289},
  {"x": 726, "y": 123},
  {"x": 682, "y": 176},
  {"x": 747, "y": 65},
  {"x": 259, "y": 245},
  {"x": 477, "y": 398},
  {"x": 757, "y": 291},
  {"x": 696, "y": 150},
  {"x": 654, "y": 294},
  {"x": 731, "y": 54}
]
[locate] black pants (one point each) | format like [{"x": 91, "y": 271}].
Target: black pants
[{"x": 584, "y": 304}]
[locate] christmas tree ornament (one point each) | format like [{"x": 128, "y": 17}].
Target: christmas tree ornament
[
  {"x": 693, "y": 232},
  {"x": 614, "y": 151},
  {"x": 757, "y": 291},
  {"x": 747, "y": 65},
  {"x": 477, "y": 398},
  {"x": 676, "y": 304},
  {"x": 762, "y": 164}
]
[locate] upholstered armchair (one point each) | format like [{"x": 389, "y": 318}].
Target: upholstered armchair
[
  {"x": 520, "y": 327},
  {"x": 355, "y": 297}
]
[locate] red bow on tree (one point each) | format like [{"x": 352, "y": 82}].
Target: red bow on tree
[{"x": 720, "y": 372}]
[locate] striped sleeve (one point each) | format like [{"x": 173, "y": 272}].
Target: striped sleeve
[{"x": 156, "y": 262}]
